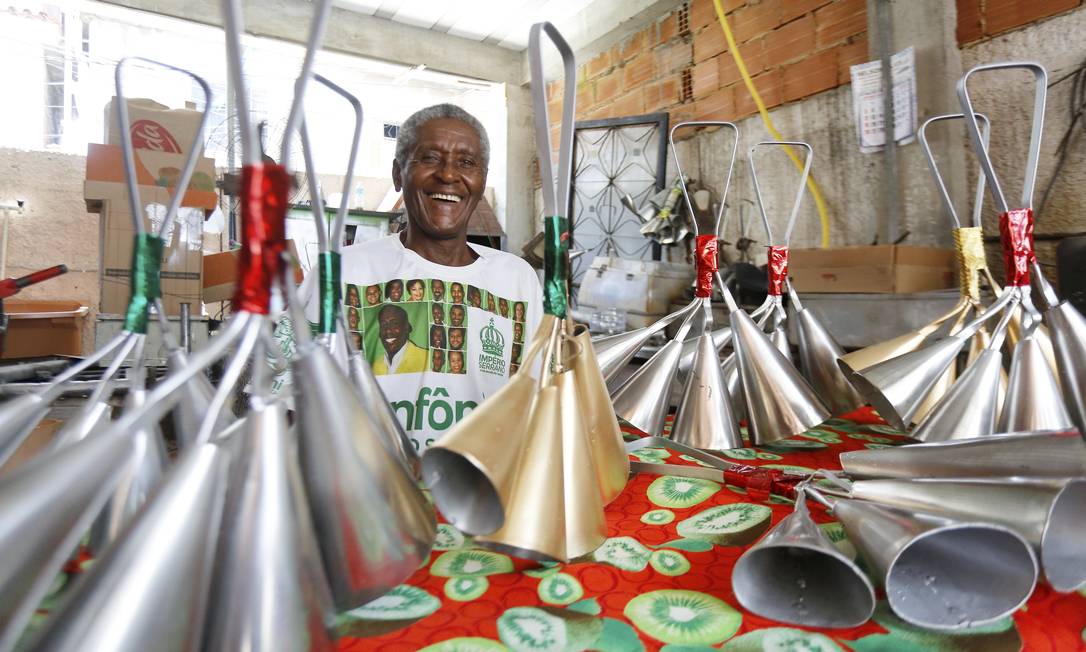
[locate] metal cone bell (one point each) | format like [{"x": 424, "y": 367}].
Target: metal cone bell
[
  {"x": 897, "y": 386},
  {"x": 467, "y": 472},
  {"x": 779, "y": 402},
  {"x": 584, "y": 524},
  {"x": 150, "y": 461},
  {"x": 1027, "y": 455},
  {"x": 604, "y": 437},
  {"x": 705, "y": 418},
  {"x": 939, "y": 574},
  {"x": 1067, "y": 328},
  {"x": 269, "y": 592},
  {"x": 644, "y": 399},
  {"x": 818, "y": 355},
  {"x": 779, "y": 337},
  {"x": 1047, "y": 513},
  {"x": 149, "y": 591},
  {"x": 969, "y": 409},
  {"x": 730, "y": 369},
  {"x": 523, "y": 533},
  {"x": 373, "y": 523},
  {"x": 381, "y": 412},
  {"x": 870, "y": 356},
  {"x": 45, "y": 507},
  {"x": 90, "y": 419},
  {"x": 794, "y": 574},
  {"x": 1033, "y": 398},
  {"x": 196, "y": 395},
  {"x": 615, "y": 351},
  {"x": 721, "y": 337}
]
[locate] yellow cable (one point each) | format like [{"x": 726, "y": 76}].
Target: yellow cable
[{"x": 811, "y": 185}]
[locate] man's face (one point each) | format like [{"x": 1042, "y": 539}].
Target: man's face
[
  {"x": 352, "y": 319},
  {"x": 394, "y": 329},
  {"x": 518, "y": 332},
  {"x": 438, "y": 314},
  {"x": 474, "y": 298},
  {"x": 437, "y": 337},
  {"x": 490, "y": 302},
  {"x": 373, "y": 295},
  {"x": 443, "y": 180},
  {"x": 395, "y": 290},
  {"x": 417, "y": 289},
  {"x": 437, "y": 360},
  {"x": 503, "y": 307},
  {"x": 437, "y": 288},
  {"x": 518, "y": 312},
  {"x": 456, "y": 362},
  {"x": 456, "y": 338},
  {"x": 457, "y": 293},
  {"x": 456, "y": 313},
  {"x": 352, "y": 295}
]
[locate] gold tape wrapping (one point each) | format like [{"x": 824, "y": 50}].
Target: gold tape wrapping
[{"x": 969, "y": 247}]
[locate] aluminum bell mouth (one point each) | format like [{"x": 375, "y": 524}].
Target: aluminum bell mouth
[
  {"x": 794, "y": 574},
  {"x": 704, "y": 419}
]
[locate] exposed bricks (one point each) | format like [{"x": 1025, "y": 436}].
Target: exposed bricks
[
  {"x": 840, "y": 20},
  {"x": 792, "y": 41},
  {"x": 632, "y": 46},
  {"x": 586, "y": 94},
  {"x": 668, "y": 28},
  {"x": 791, "y": 9},
  {"x": 851, "y": 54},
  {"x": 753, "y": 58},
  {"x": 704, "y": 78},
  {"x": 632, "y": 103},
  {"x": 755, "y": 19},
  {"x": 598, "y": 65},
  {"x": 1002, "y": 15},
  {"x": 812, "y": 75},
  {"x": 720, "y": 105},
  {"x": 769, "y": 88},
  {"x": 608, "y": 87},
  {"x": 638, "y": 70},
  {"x": 673, "y": 57},
  {"x": 662, "y": 94},
  {"x": 686, "y": 85},
  {"x": 709, "y": 42}
]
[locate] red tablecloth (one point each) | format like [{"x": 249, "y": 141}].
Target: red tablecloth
[{"x": 659, "y": 583}]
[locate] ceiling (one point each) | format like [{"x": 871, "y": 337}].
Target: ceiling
[{"x": 497, "y": 22}]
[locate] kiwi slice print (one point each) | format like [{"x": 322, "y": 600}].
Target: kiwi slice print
[
  {"x": 455, "y": 563},
  {"x": 824, "y": 436},
  {"x": 736, "y": 524},
  {"x": 658, "y": 517},
  {"x": 859, "y": 436},
  {"x": 675, "y": 492},
  {"x": 466, "y": 644},
  {"x": 448, "y": 538},
  {"x": 398, "y": 608},
  {"x": 741, "y": 453},
  {"x": 683, "y": 617},
  {"x": 549, "y": 629},
  {"x": 782, "y": 639},
  {"x": 1000, "y": 636},
  {"x": 466, "y": 588},
  {"x": 560, "y": 588},
  {"x": 885, "y": 430},
  {"x": 669, "y": 562},
  {"x": 836, "y": 534},
  {"x": 790, "y": 445},
  {"x": 625, "y": 553},
  {"x": 651, "y": 455}
]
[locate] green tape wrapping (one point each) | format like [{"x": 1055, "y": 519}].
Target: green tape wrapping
[
  {"x": 146, "y": 266},
  {"x": 555, "y": 265},
  {"x": 328, "y": 264}
]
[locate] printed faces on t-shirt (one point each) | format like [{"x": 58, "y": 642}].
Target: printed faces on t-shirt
[{"x": 419, "y": 324}]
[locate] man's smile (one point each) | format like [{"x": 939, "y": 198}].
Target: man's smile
[{"x": 445, "y": 197}]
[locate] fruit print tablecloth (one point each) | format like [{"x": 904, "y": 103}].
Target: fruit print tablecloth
[{"x": 662, "y": 580}]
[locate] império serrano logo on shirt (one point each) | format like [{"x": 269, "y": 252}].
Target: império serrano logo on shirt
[{"x": 492, "y": 359}]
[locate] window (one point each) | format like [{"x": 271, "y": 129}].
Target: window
[{"x": 391, "y": 131}]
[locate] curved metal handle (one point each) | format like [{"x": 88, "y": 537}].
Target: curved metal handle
[
  {"x": 128, "y": 154},
  {"x": 682, "y": 177},
  {"x": 978, "y": 200},
  {"x": 555, "y": 189},
  {"x": 1040, "y": 76},
  {"x": 799, "y": 191}
]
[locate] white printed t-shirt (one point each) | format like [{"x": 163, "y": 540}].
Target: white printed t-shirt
[{"x": 469, "y": 327}]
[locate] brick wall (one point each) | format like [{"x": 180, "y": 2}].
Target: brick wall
[
  {"x": 679, "y": 64},
  {"x": 979, "y": 19}
]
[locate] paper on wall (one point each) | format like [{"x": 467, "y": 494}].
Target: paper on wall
[{"x": 867, "y": 100}]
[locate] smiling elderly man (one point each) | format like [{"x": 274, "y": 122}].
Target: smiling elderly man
[{"x": 440, "y": 166}]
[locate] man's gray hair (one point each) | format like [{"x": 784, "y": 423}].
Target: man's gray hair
[{"x": 408, "y": 135}]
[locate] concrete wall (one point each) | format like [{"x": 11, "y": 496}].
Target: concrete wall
[{"x": 55, "y": 227}]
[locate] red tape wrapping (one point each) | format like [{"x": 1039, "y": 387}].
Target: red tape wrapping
[
  {"x": 778, "y": 269},
  {"x": 264, "y": 190},
  {"x": 1016, "y": 236},
  {"x": 760, "y": 482},
  {"x": 705, "y": 259}
]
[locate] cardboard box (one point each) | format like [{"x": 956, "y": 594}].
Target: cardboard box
[
  {"x": 221, "y": 273},
  {"x": 155, "y": 126},
  {"x": 897, "y": 269},
  {"x": 156, "y": 172},
  {"x": 40, "y": 328}
]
